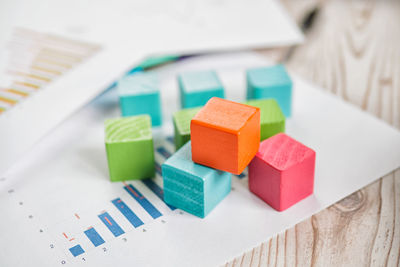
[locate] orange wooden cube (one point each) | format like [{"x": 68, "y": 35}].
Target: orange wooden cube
[{"x": 225, "y": 135}]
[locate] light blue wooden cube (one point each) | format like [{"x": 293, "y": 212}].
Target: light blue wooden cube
[
  {"x": 191, "y": 187},
  {"x": 139, "y": 94},
  {"x": 271, "y": 82},
  {"x": 196, "y": 88}
]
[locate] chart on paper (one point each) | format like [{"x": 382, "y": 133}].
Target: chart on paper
[
  {"x": 35, "y": 60},
  {"x": 133, "y": 208},
  {"x": 136, "y": 206}
]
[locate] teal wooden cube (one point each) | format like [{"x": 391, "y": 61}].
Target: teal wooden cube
[
  {"x": 272, "y": 119},
  {"x": 129, "y": 147},
  {"x": 181, "y": 121},
  {"x": 139, "y": 94},
  {"x": 271, "y": 82},
  {"x": 196, "y": 88},
  {"x": 191, "y": 187}
]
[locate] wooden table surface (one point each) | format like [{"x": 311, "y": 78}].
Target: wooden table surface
[{"x": 353, "y": 51}]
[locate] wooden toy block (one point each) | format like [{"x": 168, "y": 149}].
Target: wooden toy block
[
  {"x": 271, "y": 82},
  {"x": 272, "y": 119},
  {"x": 139, "y": 94},
  {"x": 191, "y": 187},
  {"x": 282, "y": 172},
  {"x": 196, "y": 88},
  {"x": 182, "y": 120},
  {"x": 129, "y": 146},
  {"x": 225, "y": 135}
]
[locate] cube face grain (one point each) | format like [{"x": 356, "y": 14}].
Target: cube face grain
[
  {"x": 225, "y": 135},
  {"x": 181, "y": 120},
  {"x": 129, "y": 146},
  {"x": 271, "y": 82},
  {"x": 193, "y": 188},
  {"x": 282, "y": 172},
  {"x": 196, "y": 88},
  {"x": 272, "y": 119},
  {"x": 139, "y": 94}
]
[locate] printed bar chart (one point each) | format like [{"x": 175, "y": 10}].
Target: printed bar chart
[
  {"x": 156, "y": 189},
  {"x": 108, "y": 221},
  {"x": 94, "y": 237},
  {"x": 127, "y": 212},
  {"x": 76, "y": 250},
  {"x": 35, "y": 61},
  {"x": 151, "y": 210}
]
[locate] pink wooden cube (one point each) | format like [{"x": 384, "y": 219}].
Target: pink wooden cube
[{"x": 282, "y": 172}]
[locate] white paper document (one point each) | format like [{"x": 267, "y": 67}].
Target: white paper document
[
  {"x": 60, "y": 209},
  {"x": 64, "y": 53}
]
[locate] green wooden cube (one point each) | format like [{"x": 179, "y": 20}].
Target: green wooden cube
[
  {"x": 182, "y": 120},
  {"x": 129, "y": 146},
  {"x": 272, "y": 119}
]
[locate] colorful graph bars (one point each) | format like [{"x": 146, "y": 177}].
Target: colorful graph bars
[
  {"x": 35, "y": 61},
  {"x": 93, "y": 235}
]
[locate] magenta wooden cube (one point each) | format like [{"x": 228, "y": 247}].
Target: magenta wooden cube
[{"x": 282, "y": 172}]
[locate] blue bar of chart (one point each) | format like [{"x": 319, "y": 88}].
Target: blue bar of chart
[
  {"x": 156, "y": 190},
  {"x": 94, "y": 237},
  {"x": 155, "y": 213},
  {"x": 76, "y": 250},
  {"x": 171, "y": 140},
  {"x": 108, "y": 221},
  {"x": 158, "y": 168},
  {"x": 165, "y": 153},
  {"x": 241, "y": 176},
  {"x": 127, "y": 212}
]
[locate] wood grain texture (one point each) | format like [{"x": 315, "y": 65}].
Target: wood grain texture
[{"x": 354, "y": 52}]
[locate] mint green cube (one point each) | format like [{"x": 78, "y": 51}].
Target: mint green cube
[
  {"x": 139, "y": 94},
  {"x": 129, "y": 147},
  {"x": 272, "y": 119},
  {"x": 182, "y": 120},
  {"x": 197, "y": 87},
  {"x": 271, "y": 82}
]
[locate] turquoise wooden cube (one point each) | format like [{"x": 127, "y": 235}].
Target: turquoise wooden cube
[
  {"x": 139, "y": 94},
  {"x": 271, "y": 82},
  {"x": 191, "y": 187},
  {"x": 196, "y": 88}
]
